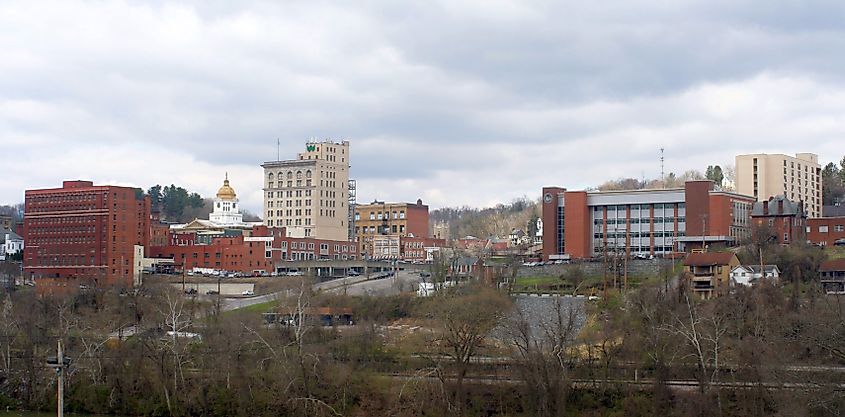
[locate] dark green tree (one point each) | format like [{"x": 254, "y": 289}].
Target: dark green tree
[
  {"x": 833, "y": 184},
  {"x": 714, "y": 173},
  {"x": 174, "y": 199},
  {"x": 155, "y": 195},
  {"x": 195, "y": 200}
]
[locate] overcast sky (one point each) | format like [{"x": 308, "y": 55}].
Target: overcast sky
[{"x": 455, "y": 102}]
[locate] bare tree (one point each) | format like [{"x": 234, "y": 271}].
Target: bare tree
[
  {"x": 176, "y": 321},
  {"x": 704, "y": 335},
  {"x": 544, "y": 352},
  {"x": 464, "y": 322}
]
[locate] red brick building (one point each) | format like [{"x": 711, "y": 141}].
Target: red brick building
[
  {"x": 419, "y": 249},
  {"x": 786, "y": 219},
  {"x": 583, "y": 224},
  {"x": 255, "y": 253},
  {"x": 84, "y": 234},
  {"x": 384, "y": 219},
  {"x": 825, "y": 231}
]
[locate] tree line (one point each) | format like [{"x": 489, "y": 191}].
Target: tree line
[{"x": 833, "y": 183}]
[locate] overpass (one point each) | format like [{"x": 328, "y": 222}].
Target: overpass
[{"x": 326, "y": 269}]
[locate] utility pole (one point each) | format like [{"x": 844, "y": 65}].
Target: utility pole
[
  {"x": 604, "y": 283},
  {"x": 662, "y": 176},
  {"x": 59, "y": 363},
  {"x": 61, "y": 399}
]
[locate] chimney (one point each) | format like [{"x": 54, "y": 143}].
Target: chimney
[{"x": 766, "y": 208}]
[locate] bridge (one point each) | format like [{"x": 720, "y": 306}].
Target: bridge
[{"x": 335, "y": 268}]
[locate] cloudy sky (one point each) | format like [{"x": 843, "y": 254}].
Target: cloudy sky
[{"x": 455, "y": 102}]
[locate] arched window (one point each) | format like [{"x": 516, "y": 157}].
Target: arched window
[
  {"x": 270, "y": 176},
  {"x": 308, "y": 174},
  {"x": 298, "y": 174},
  {"x": 290, "y": 175}
]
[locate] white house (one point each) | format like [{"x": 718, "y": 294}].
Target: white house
[
  {"x": 749, "y": 274},
  {"x": 10, "y": 243}
]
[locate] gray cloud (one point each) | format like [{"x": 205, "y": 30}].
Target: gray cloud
[{"x": 468, "y": 102}]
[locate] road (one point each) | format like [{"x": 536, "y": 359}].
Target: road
[
  {"x": 229, "y": 304},
  {"x": 405, "y": 280}
]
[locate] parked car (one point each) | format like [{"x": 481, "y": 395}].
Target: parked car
[
  {"x": 191, "y": 291},
  {"x": 839, "y": 242},
  {"x": 247, "y": 293},
  {"x": 212, "y": 292}
]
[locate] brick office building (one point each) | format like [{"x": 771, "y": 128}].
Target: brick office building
[
  {"x": 82, "y": 234},
  {"x": 786, "y": 219},
  {"x": 387, "y": 219},
  {"x": 255, "y": 252},
  {"x": 824, "y": 231},
  {"x": 582, "y": 224}
]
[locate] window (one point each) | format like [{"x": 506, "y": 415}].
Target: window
[
  {"x": 822, "y": 229},
  {"x": 838, "y": 228}
]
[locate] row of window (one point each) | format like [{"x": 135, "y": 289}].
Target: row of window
[
  {"x": 836, "y": 228},
  {"x": 290, "y": 174},
  {"x": 380, "y": 230},
  {"x": 383, "y": 216},
  {"x": 635, "y": 235}
]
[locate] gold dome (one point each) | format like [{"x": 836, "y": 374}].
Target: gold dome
[{"x": 226, "y": 192}]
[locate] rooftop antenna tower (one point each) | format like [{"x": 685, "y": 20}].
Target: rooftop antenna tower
[
  {"x": 278, "y": 150},
  {"x": 662, "y": 176}
]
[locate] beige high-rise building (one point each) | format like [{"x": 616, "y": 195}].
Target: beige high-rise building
[
  {"x": 309, "y": 195},
  {"x": 769, "y": 175}
]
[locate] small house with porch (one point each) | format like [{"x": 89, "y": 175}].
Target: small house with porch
[
  {"x": 747, "y": 275},
  {"x": 832, "y": 274},
  {"x": 710, "y": 272}
]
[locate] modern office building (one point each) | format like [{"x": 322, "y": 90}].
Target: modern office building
[
  {"x": 309, "y": 196},
  {"x": 797, "y": 178},
  {"x": 389, "y": 219},
  {"x": 82, "y": 234},
  {"x": 583, "y": 224}
]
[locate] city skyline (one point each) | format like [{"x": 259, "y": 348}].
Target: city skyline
[{"x": 532, "y": 95}]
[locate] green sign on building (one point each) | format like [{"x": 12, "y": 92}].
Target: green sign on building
[{"x": 310, "y": 147}]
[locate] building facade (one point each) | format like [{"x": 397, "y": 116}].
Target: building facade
[
  {"x": 440, "y": 230},
  {"x": 380, "y": 219},
  {"x": 82, "y": 234},
  {"x": 582, "y": 224},
  {"x": 768, "y": 175},
  {"x": 832, "y": 274},
  {"x": 309, "y": 195},
  {"x": 783, "y": 218},
  {"x": 710, "y": 272},
  {"x": 6, "y": 221},
  {"x": 252, "y": 253},
  {"x": 825, "y": 231}
]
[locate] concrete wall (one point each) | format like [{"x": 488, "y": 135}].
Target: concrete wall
[{"x": 636, "y": 267}]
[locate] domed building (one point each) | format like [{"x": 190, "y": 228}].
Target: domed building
[
  {"x": 226, "y": 211},
  {"x": 226, "y": 216}
]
